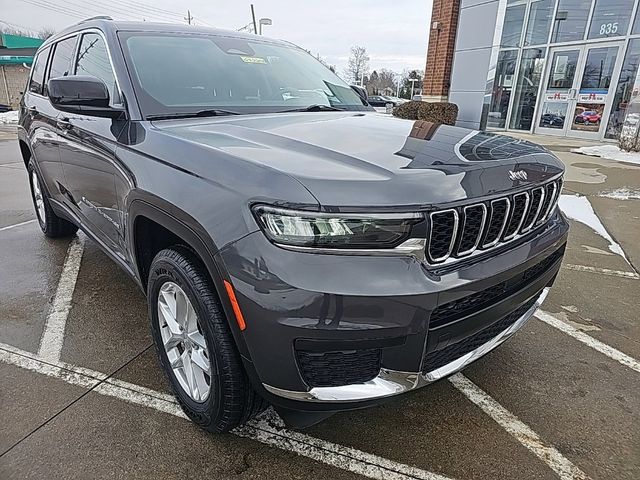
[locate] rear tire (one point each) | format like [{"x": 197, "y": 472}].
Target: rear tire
[
  {"x": 51, "y": 224},
  {"x": 229, "y": 400}
]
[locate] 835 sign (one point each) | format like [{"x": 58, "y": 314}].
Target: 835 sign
[{"x": 609, "y": 28}]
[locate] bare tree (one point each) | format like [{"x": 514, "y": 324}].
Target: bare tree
[
  {"x": 15, "y": 31},
  {"x": 46, "y": 32},
  {"x": 387, "y": 80},
  {"x": 373, "y": 83},
  {"x": 324, "y": 62},
  {"x": 358, "y": 64}
]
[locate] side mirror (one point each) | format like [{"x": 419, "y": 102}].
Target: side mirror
[
  {"x": 362, "y": 93},
  {"x": 81, "y": 94}
]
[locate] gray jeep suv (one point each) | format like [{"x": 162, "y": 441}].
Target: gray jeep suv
[{"x": 296, "y": 248}]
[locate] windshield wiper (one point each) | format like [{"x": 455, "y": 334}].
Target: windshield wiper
[
  {"x": 213, "y": 112},
  {"x": 314, "y": 108}
]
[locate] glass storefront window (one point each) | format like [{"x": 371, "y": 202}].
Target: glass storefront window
[
  {"x": 572, "y": 89},
  {"x": 563, "y": 69},
  {"x": 636, "y": 23},
  {"x": 598, "y": 69},
  {"x": 526, "y": 91},
  {"x": 628, "y": 88},
  {"x": 502, "y": 87},
  {"x": 540, "y": 14},
  {"x": 570, "y": 21},
  {"x": 610, "y": 18},
  {"x": 512, "y": 28},
  {"x": 553, "y": 115}
]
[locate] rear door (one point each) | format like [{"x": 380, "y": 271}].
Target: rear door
[
  {"x": 87, "y": 150},
  {"x": 39, "y": 121}
]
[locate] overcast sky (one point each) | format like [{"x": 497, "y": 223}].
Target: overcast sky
[{"x": 394, "y": 33}]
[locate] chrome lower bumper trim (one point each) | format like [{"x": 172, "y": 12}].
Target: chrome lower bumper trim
[{"x": 392, "y": 382}]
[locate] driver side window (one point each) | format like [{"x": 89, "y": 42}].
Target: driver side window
[
  {"x": 62, "y": 59},
  {"x": 93, "y": 59}
]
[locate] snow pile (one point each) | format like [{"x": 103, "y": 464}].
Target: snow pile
[
  {"x": 9, "y": 117},
  {"x": 579, "y": 208},
  {"x": 621, "y": 194},
  {"x": 612, "y": 152}
]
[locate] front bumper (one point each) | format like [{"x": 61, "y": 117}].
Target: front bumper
[
  {"x": 296, "y": 302},
  {"x": 392, "y": 382}
]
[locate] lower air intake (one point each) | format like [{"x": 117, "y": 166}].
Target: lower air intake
[{"x": 333, "y": 369}]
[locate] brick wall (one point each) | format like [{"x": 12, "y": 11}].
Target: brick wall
[
  {"x": 442, "y": 40},
  {"x": 13, "y": 80}
]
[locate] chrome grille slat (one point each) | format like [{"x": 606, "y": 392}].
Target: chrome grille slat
[
  {"x": 556, "y": 197},
  {"x": 505, "y": 219},
  {"x": 440, "y": 257},
  {"x": 537, "y": 197},
  {"x": 550, "y": 193},
  {"x": 517, "y": 217},
  {"x": 465, "y": 231},
  {"x": 466, "y": 226}
]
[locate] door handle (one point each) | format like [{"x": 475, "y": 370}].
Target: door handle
[{"x": 63, "y": 123}]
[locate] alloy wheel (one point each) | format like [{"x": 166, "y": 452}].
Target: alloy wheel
[
  {"x": 38, "y": 199},
  {"x": 183, "y": 341}
]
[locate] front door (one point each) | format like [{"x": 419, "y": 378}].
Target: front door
[
  {"x": 579, "y": 90},
  {"x": 87, "y": 152}
]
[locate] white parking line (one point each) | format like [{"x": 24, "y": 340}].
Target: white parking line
[
  {"x": 603, "y": 348},
  {"x": 519, "y": 430},
  {"x": 603, "y": 271},
  {"x": 53, "y": 334},
  {"x": 267, "y": 429},
  {"x": 9, "y": 227}
]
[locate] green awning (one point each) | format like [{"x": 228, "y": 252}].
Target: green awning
[
  {"x": 8, "y": 42},
  {"x": 18, "y": 41}
]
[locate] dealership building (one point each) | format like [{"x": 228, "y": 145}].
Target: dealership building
[{"x": 558, "y": 67}]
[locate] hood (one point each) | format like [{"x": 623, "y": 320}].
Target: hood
[{"x": 355, "y": 159}]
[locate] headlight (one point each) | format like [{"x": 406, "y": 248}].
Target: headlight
[{"x": 336, "y": 231}]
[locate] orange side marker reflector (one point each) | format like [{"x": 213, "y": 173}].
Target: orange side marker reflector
[{"x": 234, "y": 305}]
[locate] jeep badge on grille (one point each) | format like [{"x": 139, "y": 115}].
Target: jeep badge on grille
[{"x": 517, "y": 175}]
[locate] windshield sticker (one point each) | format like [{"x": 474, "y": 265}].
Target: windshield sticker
[{"x": 253, "y": 60}]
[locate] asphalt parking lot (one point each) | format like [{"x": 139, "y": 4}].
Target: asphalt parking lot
[{"x": 82, "y": 396}]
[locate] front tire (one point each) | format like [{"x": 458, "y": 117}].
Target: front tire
[
  {"x": 51, "y": 224},
  {"x": 195, "y": 345}
]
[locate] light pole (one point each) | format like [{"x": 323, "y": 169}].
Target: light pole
[
  {"x": 413, "y": 80},
  {"x": 264, "y": 21},
  {"x": 560, "y": 16}
]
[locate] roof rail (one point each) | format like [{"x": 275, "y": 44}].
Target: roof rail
[{"x": 97, "y": 17}]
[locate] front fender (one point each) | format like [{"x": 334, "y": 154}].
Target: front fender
[{"x": 180, "y": 223}]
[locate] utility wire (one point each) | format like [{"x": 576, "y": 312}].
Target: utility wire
[
  {"x": 82, "y": 9},
  {"x": 147, "y": 6},
  {"x": 15, "y": 25},
  {"x": 55, "y": 8},
  {"x": 94, "y": 9}
]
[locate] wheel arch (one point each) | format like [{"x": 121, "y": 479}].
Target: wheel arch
[
  {"x": 25, "y": 151},
  {"x": 147, "y": 211},
  {"x": 149, "y": 216}
]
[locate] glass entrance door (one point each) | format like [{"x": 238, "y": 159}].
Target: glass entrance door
[
  {"x": 579, "y": 90},
  {"x": 558, "y": 91}
]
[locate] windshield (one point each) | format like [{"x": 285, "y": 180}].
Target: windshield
[{"x": 175, "y": 74}]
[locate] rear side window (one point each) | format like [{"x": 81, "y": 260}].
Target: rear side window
[
  {"x": 62, "y": 57},
  {"x": 93, "y": 59},
  {"x": 37, "y": 75}
]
